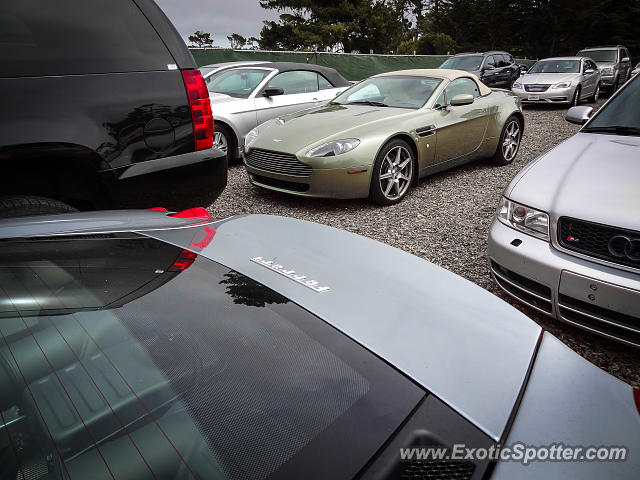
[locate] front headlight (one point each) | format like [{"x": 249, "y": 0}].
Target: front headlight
[
  {"x": 562, "y": 85},
  {"x": 607, "y": 70},
  {"x": 525, "y": 219},
  {"x": 251, "y": 137},
  {"x": 516, "y": 85},
  {"x": 333, "y": 148}
]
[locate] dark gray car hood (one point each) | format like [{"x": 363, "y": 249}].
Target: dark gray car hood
[{"x": 590, "y": 176}]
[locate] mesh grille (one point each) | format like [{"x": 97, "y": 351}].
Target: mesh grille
[
  {"x": 534, "y": 87},
  {"x": 436, "y": 470},
  {"x": 276, "y": 162},
  {"x": 594, "y": 240}
]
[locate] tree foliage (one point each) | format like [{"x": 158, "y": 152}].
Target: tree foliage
[
  {"x": 201, "y": 39},
  {"x": 531, "y": 28}
]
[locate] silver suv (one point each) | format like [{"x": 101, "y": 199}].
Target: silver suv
[{"x": 613, "y": 62}]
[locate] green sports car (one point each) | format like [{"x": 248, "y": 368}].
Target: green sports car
[{"x": 380, "y": 136}]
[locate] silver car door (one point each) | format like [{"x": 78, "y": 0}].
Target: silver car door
[{"x": 300, "y": 91}]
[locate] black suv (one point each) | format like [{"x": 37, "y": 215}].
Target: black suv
[
  {"x": 494, "y": 69},
  {"x": 101, "y": 106}
]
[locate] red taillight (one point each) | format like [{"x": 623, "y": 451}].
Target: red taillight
[
  {"x": 636, "y": 397},
  {"x": 196, "y": 212},
  {"x": 200, "y": 108},
  {"x": 185, "y": 260}
]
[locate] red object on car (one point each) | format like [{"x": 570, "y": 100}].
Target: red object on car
[
  {"x": 200, "y": 108},
  {"x": 196, "y": 212}
]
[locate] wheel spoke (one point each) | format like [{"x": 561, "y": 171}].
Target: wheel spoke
[
  {"x": 384, "y": 176},
  {"x": 388, "y": 189},
  {"x": 404, "y": 164},
  {"x": 403, "y": 177},
  {"x": 398, "y": 155}
]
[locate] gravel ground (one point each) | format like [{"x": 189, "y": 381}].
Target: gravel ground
[{"x": 462, "y": 200}]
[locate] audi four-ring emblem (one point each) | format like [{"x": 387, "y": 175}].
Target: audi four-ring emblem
[{"x": 621, "y": 246}]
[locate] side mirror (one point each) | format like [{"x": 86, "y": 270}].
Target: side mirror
[
  {"x": 579, "y": 115},
  {"x": 523, "y": 69},
  {"x": 462, "y": 99},
  {"x": 589, "y": 71},
  {"x": 626, "y": 59},
  {"x": 489, "y": 67},
  {"x": 272, "y": 91}
]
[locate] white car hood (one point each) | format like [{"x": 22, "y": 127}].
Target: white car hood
[
  {"x": 590, "y": 176},
  {"x": 547, "y": 78}
]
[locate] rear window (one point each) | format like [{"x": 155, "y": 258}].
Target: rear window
[
  {"x": 130, "y": 358},
  {"x": 77, "y": 37}
]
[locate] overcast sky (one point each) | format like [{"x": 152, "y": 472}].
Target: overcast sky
[{"x": 218, "y": 17}]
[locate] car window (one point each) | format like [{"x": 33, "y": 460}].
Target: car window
[
  {"x": 402, "y": 91},
  {"x": 299, "y": 81},
  {"x": 323, "y": 83},
  {"x": 461, "y": 86},
  {"x": 501, "y": 61},
  {"x": 77, "y": 37},
  {"x": 468, "y": 63},
  {"x": 556, "y": 66},
  {"x": 237, "y": 82},
  {"x": 623, "y": 111},
  {"x": 605, "y": 55},
  {"x": 625, "y": 53},
  {"x": 490, "y": 61},
  {"x": 128, "y": 355}
]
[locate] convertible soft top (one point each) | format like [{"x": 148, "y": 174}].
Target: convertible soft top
[
  {"x": 441, "y": 73},
  {"x": 329, "y": 73}
]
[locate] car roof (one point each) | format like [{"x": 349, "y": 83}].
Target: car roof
[
  {"x": 499, "y": 52},
  {"x": 232, "y": 64},
  {"x": 444, "y": 73},
  {"x": 604, "y": 47},
  {"x": 562, "y": 58},
  {"x": 329, "y": 73}
]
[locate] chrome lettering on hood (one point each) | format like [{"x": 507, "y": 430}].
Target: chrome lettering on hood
[
  {"x": 291, "y": 274},
  {"x": 301, "y": 279}
]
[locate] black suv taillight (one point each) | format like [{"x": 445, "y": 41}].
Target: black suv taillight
[{"x": 200, "y": 108}]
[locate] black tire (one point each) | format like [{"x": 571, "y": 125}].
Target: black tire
[
  {"x": 29, "y": 205},
  {"x": 402, "y": 173},
  {"x": 575, "y": 101},
  {"x": 512, "y": 131},
  {"x": 596, "y": 94},
  {"x": 224, "y": 140}
]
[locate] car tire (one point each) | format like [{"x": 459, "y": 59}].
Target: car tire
[
  {"x": 223, "y": 140},
  {"x": 29, "y": 205},
  {"x": 394, "y": 172},
  {"x": 509, "y": 143},
  {"x": 596, "y": 94},
  {"x": 575, "y": 101}
]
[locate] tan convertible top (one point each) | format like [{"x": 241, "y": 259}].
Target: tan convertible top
[{"x": 440, "y": 73}]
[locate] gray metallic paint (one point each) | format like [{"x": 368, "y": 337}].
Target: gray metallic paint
[{"x": 571, "y": 401}]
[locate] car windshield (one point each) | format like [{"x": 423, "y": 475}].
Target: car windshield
[
  {"x": 556, "y": 66},
  {"x": 608, "y": 55},
  {"x": 237, "y": 82},
  {"x": 621, "y": 115},
  {"x": 401, "y": 91},
  {"x": 469, "y": 63},
  {"x": 130, "y": 358}
]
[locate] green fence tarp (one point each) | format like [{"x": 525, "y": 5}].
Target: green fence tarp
[{"x": 351, "y": 66}]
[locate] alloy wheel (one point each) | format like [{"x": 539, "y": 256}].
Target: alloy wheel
[
  {"x": 511, "y": 140},
  {"x": 396, "y": 173},
  {"x": 220, "y": 142},
  {"x": 596, "y": 95}
]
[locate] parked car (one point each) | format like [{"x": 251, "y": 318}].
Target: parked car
[
  {"x": 209, "y": 70},
  {"x": 154, "y": 345},
  {"x": 380, "y": 136},
  {"x": 101, "y": 106},
  {"x": 494, "y": 69},
  {"x": 560, "y": 80},
  {"x": 566, "y": 239},
  {"x": 245, "y": 97},
  {"x": 614, "y": 63},
  {"x": 635, "y": 70}
]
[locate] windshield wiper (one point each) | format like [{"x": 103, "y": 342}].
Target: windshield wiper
[
  {"x": 615, "y": 129},
  {"x": 367, "y": 102}
]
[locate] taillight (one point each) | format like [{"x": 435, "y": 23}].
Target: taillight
[
  {"x": 184, "y": 260},
  {"x": 200, "y": 108}
]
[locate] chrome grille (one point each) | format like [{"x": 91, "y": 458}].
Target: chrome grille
[
  {"x": 277, "y": 162},
  {"x": 536, "y": 87}
]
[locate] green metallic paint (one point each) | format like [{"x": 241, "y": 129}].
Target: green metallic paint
[{"x": 463, "y": 133}]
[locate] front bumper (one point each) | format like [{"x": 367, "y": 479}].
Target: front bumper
[
  {"x": 592, "y": 296},
  {"x": 607, "y": 80},
  {"x": 551, "y": 95},
  {"x": 322, "y": 183}
]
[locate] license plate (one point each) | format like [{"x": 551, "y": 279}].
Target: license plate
[
  {"x": 533, "y": 97},
  {"x": 602, "y": 294}
]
